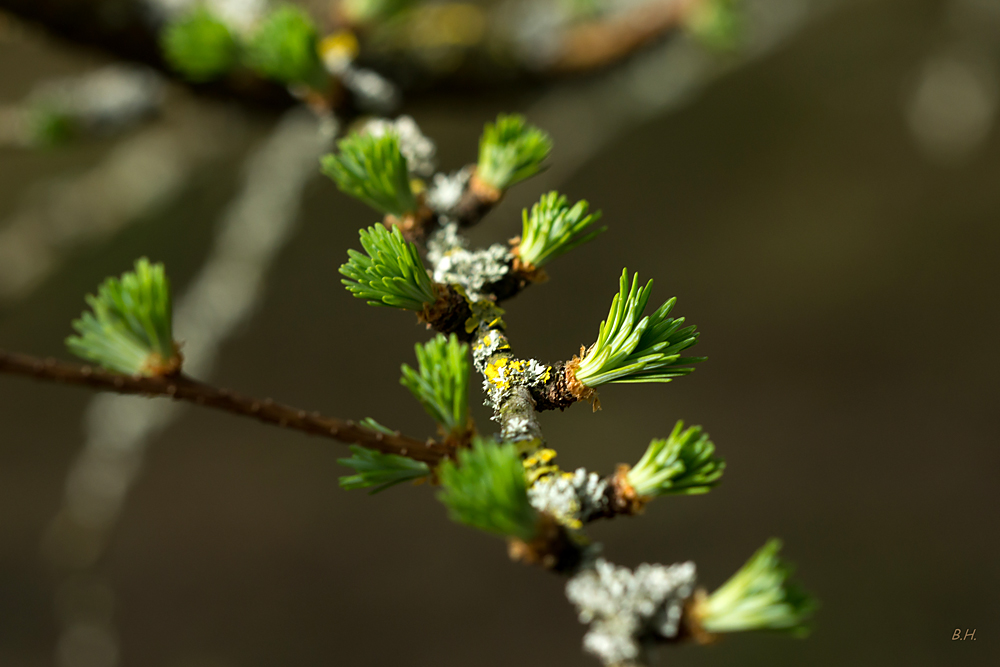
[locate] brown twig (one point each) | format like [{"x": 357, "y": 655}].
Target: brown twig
[
  {"x": 692, "y": 617},
  {"x": 448, "y": 314},
  {"x": 477, "y": 200},
  {"x": 552, "y": 547},
  {"x": 554, "y": 394},
  {"x": 622, "y": 499},
  {"x": 183, "y": 388},
  {"x": 518, "y": 277},
  {"x": 603, "y": 42}
]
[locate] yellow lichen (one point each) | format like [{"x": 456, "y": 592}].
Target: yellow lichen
[
  {"x": 541, "y": 472},
  {"x": 546, "y": 455},
  {"x": 497, "y": 372},
  {"x": 485, "y": 314},
  {"x": 529, "y": 445},
  {"x": 539, "y": 465}
]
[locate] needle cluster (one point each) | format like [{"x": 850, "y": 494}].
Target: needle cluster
[
  {"x": 380, "y": 470},
  {"x": 389, "y": 272},
  {"x": 284, "y": 47},
  {"x": 758, "y": 597},
  {"x": 487, "y": 490},
  {"x": 442, "y": 382},
  {"x": 199, "y": 46},
  {"x": 129, "y": 329},
  {"x": 629, "y": 349},
  {"x": 373, "y": 169},
  {"x": 683, "y": 463},
  {"x": 553, "y": 228},
  {"x": 510, "y": 151}
]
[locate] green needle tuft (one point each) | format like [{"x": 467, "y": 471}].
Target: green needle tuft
[
  {"x": 487, "y": 490},
  {"x": 284, "y": 48},
  {"x": 49, "y": 127},
  {"x": 684, "y": 463},
  {"x": 510, "y": 151},
  {"x": 758, "y": 597},
  {"x": 442, "y": 383},
  {"x": 554, "y": 228},
  {"x": 378, "y": 469},
  {"x": 130, "y": 328},
  {"x": 719, "y": 24},
  {"x": 374, "y": 170},
  {"x": 391, "y": 273},
  {"x": 199, "y": 46},
  {"x": 632, "y": 350}
]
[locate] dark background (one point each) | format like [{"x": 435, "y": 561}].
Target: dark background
[{"x": 846, "y": 288}]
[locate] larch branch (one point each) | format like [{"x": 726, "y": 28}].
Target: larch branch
[{"x": 183, "y": 388}]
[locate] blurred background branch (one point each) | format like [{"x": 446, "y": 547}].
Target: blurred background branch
[{"x": 419, "y": 46}]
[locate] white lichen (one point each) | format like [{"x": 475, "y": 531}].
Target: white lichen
[
  {"x": 418, "y": 150},
  {"x": 443, "y": 241},
  {"x": 446, "y": 190},
  {"x": 506, "y": 379},
  {"x": 628, "y": 610},
  {"x": 455, "y": 264},
  {"x": 503, "y": 373},
  {"x": 572, "y": 499},
  {"x": 473, "y": 270},
  {"x": 518, "y": 420}
]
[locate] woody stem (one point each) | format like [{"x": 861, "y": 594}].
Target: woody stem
[{"x": 182, "y": 388}]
